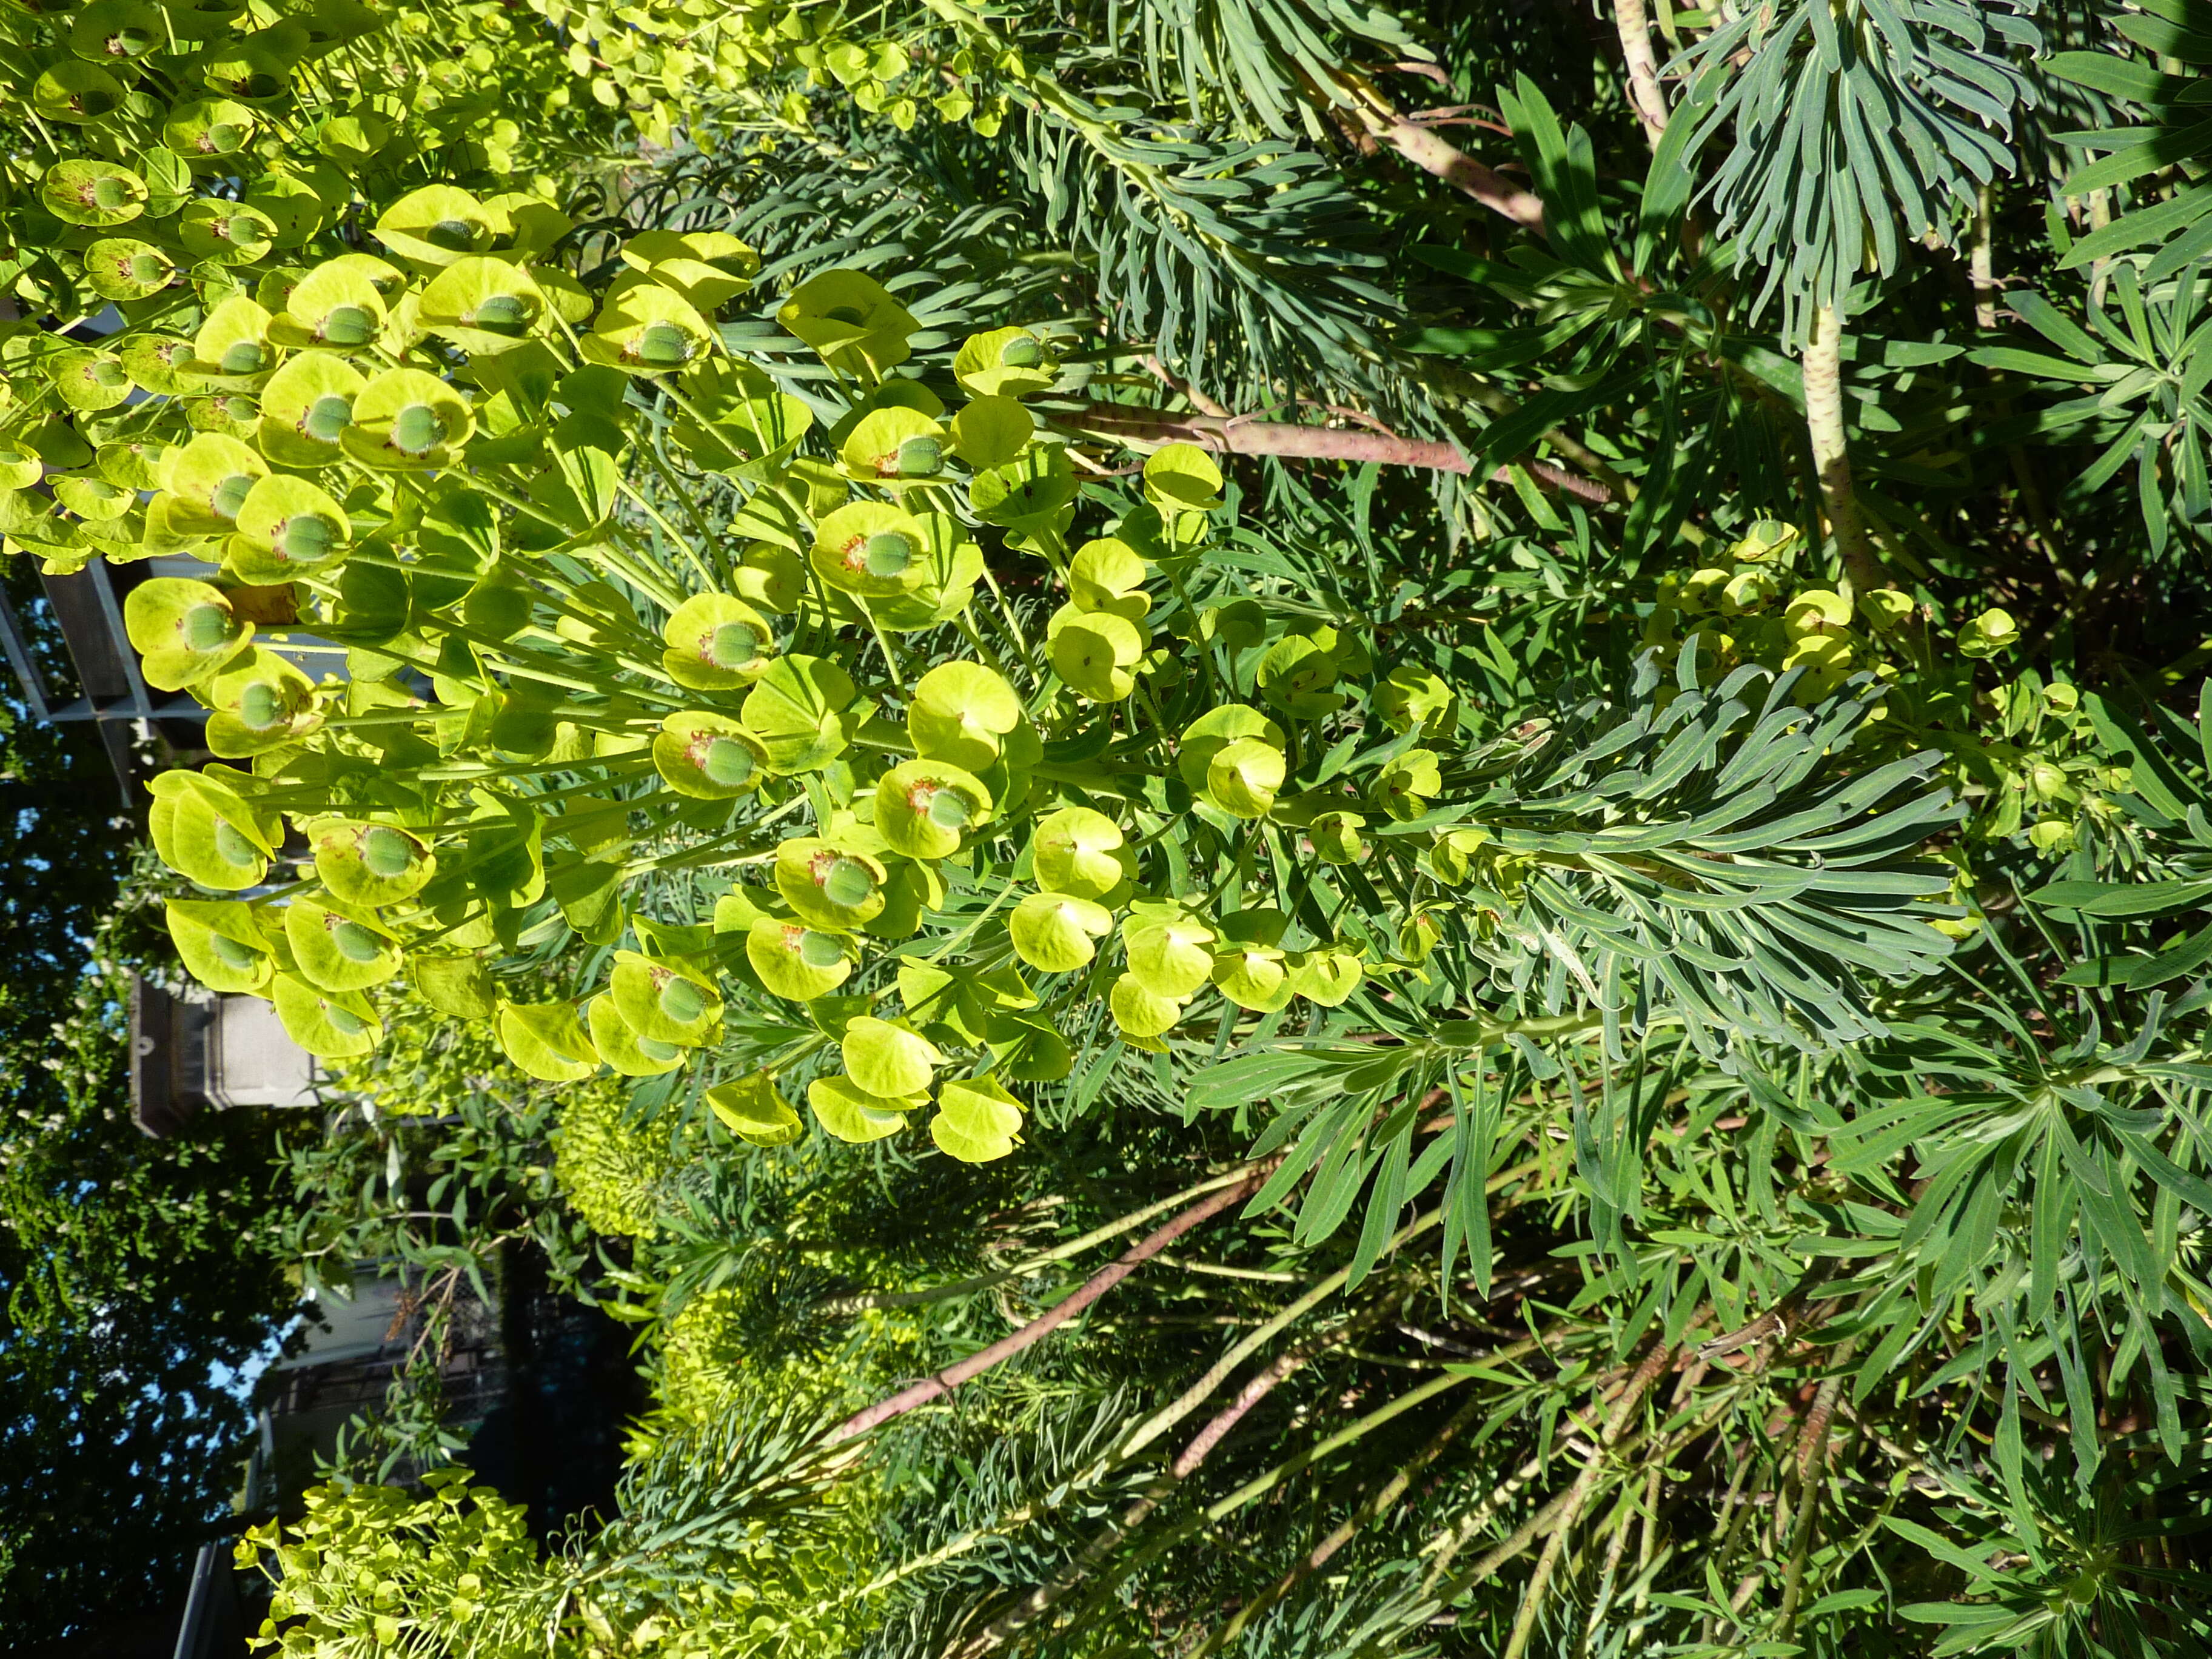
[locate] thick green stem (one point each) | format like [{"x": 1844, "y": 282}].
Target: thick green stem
[
  {"x": 1824, "y": 425},
  {"x": 1645, "y": 96}
]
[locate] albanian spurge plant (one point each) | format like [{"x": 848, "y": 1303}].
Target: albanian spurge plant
[
  {"x": 925, "y": 824},
  {"x": 821, "y": 760}
]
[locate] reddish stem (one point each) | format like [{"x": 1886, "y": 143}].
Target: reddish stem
[
  {"x": 937, "y": 1387},
  {"x": 1237, "y": 435}
]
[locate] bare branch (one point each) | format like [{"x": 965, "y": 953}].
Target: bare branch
[
  {"x": 1237, "y": 435},
  {"x": 937, "y": 1387}
]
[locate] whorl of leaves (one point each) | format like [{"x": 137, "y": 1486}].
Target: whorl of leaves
[{"x": 1853, "y": 124}]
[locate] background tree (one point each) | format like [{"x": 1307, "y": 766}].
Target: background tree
[{"x": 139, "y": 1277}]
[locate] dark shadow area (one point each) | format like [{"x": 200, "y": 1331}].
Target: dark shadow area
[{"x": 555, "y": 1444}]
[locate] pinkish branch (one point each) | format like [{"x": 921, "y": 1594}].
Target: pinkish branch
[
  {"x": 937, "y": 1387},
  {"x": 1237, "y": 435}
]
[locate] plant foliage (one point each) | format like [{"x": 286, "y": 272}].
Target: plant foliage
[{"x": 937, "y": 643}]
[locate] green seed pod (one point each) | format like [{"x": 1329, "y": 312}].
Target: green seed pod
[
  {"x": 122, "y": 268},
  {"x": 924, "y": 807},
  {"x": 483, "y": 306},
  {"x": 893, "y": 444},
  {"x": 203, "y": 831},
  {"x": 87, "y": 193},
  {"x": 225, "y": 233},
  {"x": 287, "y": 528},
  {"x": 306, "y": 408},
  {"x": 94, "y": 499},
  {"x": 107, "y": 30},
  {"x": 337, "y": 304},
  {"x": 716, "y": 643},
  {"x": 436, "y": 225},
  {"x": 1008, "y": 362},
  {"x": 208, "y": 481},
  {"x": 220, "y": 945},
  {"x": 648, "y": 330},
  {"x": 708, "y": 756},
  {"x": 797, "y": 962},
  {"x": 260, "y": 702},
  {"x": 186, "y": 631},
  {"x": 227, "y": 414},
  {"x": 87, "y": 380},
  {"x": 371, "y": 864},
  {"x": 256, "y": 72},
  {"x": 75, "y": 92},
  {"x": 871, "y": 549},
  {"x": 328, "y": 1024},
  {"x": 337, "y": 952},
  {"x": 828, "y": 885},
  {"x": 156, "y": 362},
  {"x": 623, "y": 1048},
  {"x": 405, "y": 420},
  {"x": 660, "y": 999}
]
